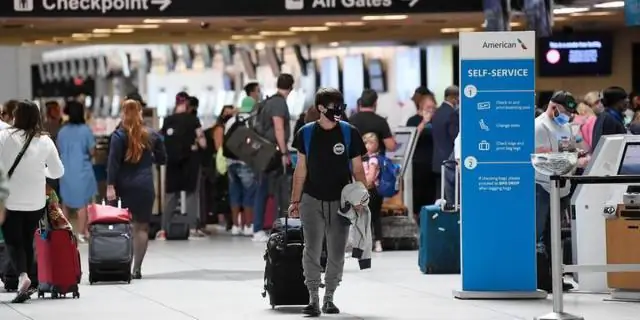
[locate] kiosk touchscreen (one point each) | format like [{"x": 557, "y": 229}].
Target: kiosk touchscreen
[
  {"x": 614, "y": 155},
  {"x": 406, "y": 138}
]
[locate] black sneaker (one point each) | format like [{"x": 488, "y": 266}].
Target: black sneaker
[
  {"x": 312, "y": 310},
  {"x": 330, "y": 308}
]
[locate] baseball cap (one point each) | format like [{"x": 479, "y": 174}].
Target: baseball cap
[
  {"x": 565, "y": 99},
  {"x": 246, "y": 105},
  {"x": 182, "y": 97}
]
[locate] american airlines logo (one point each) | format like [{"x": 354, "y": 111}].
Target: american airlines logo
[
  {"x": 103, "y": 6},
  {"x": 504, "y": 45}
]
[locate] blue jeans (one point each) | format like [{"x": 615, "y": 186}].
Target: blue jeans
[
  {"x": 262, "y": 193},
  {"x": 242, "y": 186}
]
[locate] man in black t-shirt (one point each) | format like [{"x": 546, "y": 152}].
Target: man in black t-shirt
[
  {"x": 322, "y": 170},
  {"x": 367, "y": 120}
]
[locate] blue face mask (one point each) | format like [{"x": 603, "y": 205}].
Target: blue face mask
[{"x": 561, "y": 119}]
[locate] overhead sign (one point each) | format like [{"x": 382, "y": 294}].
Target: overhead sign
[
  {"x": 218, "y": 8},
  {"x": 632, "y": 12},
  {"x": 497, "y": 82}
]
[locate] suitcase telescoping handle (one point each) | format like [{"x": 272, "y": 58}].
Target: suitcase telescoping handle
[
  {"x": 119, "y": 203},
  {"x": 456, "y": 186}
]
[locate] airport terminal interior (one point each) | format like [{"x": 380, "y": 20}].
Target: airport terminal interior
[{"x": 99, "y": 52}]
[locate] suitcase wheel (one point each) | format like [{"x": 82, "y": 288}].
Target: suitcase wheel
[
  {"x": 40, "y": 294},
  {"x": 76, "y": 295},
  {"x": 273, "y": 306},
  {"x": 54, "y": 294}
]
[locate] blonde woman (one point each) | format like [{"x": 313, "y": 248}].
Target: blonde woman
[{"x": 584, "y": 122}]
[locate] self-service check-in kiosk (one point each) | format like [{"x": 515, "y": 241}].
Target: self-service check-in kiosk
[
  {"x": 399, "y": 228},
  {"x": 406, "y": 138},
  {"x": 606, "y": 220}
]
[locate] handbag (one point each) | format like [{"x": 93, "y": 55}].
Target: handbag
[
  {"x": 221, "y": 162},
  {"x": 257, "y": 152}
]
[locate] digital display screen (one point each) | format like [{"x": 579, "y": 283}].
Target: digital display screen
[
  {"x": 402, "y": 141},
  {"x": 376, "y": 75},
  {"x": 575, "y": 55},
  {"x": 630, "y": 164},
  {"x": 330, "y": 73}
]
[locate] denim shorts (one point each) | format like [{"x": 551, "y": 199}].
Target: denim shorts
[{"x": 242, "y": 185}]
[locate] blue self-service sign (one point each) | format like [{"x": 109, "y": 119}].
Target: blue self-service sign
[
  {"x": 632, "y": 12},
  {"x": 497, "y": 77}
]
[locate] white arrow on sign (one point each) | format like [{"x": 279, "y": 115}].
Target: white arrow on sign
[
  {"x": 164, "y": 4},
  {"x": 412, "y": 2}
]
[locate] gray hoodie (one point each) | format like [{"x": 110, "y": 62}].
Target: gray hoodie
[{"x": 355, "y": 194}]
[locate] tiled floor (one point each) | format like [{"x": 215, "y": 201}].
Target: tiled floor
[{"x": 221, "y": 279}]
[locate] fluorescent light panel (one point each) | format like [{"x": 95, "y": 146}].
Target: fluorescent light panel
[
  {"x": 277, "y": 33},
  {"x": 609, "y": 5},
  {"x": 138, "y": 26},
  {"x": 161, "y": 21},
  {"x": 387, "y": 18},
  {"x": 309, "y": 29},
  {"x": 569, "y": 10},
  {"x": 456, "y": 30},
  {"x": 345, "y": 24}
]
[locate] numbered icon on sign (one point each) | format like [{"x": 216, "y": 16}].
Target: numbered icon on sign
[
  {"x": 470, "y": 91},
  {"x": 470, "y": 162}
]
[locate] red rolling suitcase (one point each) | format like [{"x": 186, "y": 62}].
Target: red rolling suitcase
[
  {"x": 58, "y": 259},
  {"x": 269, "y": 213}
]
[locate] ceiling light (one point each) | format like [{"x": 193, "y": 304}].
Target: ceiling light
[
  {"x": 334, "y": 44},
  {"x": 345, "y": 24},
  {"x": 456, "y": 30},
  {"x": 138, "y": 26},
  {"x": 101, "y": 30},
  {"x": 611, "y": 4},
  {"x": 260, "y": 45},
  {"x": 160, "y": 21},
  {"x": 122, "y": 30},
  {"x": 82, "y": 35},
  {"x": 100, "y": 35},
  {"x": 512, "y": 24},
  {"x": 592, "y": 14},
  {"x": 308, "y": 29},
  {"x": 277, "y": 33},
  {"x": 246, "y": 37},
  {"x": 281, "y": 43},
  {"x": 569, "y": 10},
  {"x": 391, "y": 17}
]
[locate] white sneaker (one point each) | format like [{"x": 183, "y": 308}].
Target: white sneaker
[
  {"x": 236, "y": 231},
  {"x": 260, "y": 236},
  {"x": 248, "y": 231},
  {"x": 378, "y": 246}
]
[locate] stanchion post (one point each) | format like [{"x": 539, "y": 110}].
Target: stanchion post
[{"x": 556, "y": 256}]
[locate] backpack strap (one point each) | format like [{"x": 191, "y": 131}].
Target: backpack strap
[
  {"x": 346, "y": 135},
  {"x": 307, "y": 132}
]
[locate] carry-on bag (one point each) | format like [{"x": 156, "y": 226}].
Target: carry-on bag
[
  {"x": 439, "y": 251},
  {"x": 179, "y": 225},
  {"x": 399, "y": 231},
  {"x": 283, "y": 274},
  {"x": 58, "y": 259},
  {"x": 110, "y": 252},
  {"x": 105, "y": 214},
  {"x": 248, "y": 146}
]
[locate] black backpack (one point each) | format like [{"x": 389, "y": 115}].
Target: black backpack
[{"x": 178, "y": 139}]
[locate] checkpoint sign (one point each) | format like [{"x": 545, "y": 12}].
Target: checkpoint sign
[{"x": 222, "y": 8}]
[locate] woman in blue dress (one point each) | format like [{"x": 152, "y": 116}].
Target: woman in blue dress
[
  {"x": 133, "y": 151},
  {"x": 76, "y": 144}
]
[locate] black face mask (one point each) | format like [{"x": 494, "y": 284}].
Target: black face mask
[{"x": 334, "y": 114}]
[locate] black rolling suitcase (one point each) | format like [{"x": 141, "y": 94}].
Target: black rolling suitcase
[
  {"x": 179, "y": 226},
  {"x": 283, "y": 276},
  {"x": 110, "y": 252}
]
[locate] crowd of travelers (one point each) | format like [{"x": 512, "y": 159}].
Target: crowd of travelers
[{"x": 231, "y": 195}]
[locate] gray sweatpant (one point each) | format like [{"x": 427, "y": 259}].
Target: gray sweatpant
[{"x": 320, "y": 219}]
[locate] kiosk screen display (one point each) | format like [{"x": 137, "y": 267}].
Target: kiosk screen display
[
  {"x": 630, "y": 164},
  {"x": 403, "y": 139}
]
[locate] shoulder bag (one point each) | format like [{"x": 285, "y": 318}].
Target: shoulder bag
[{"x": 19, "y": 156}]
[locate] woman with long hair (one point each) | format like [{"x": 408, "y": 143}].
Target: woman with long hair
[
  {"x": 216, "y": 187},
  {"x": 76, "y": 145},
  {"x": 29, "y": 156},
  {"x": 133, "y": 151}
]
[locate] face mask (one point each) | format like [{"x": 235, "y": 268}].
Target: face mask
[
  {"x": 332, "y": 114},
  {"x": 561, "y": 119}
]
